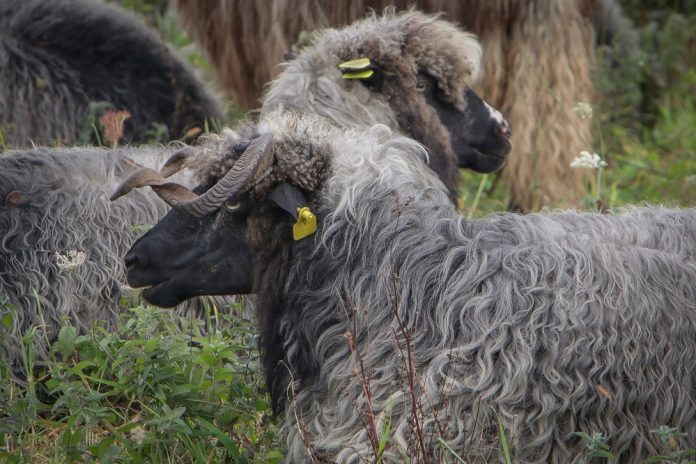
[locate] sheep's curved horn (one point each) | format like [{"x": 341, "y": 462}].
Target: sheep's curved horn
[
  {"x": 140, "y": 178},
  {"x": 254, "y": 165},
  {"x": 172, "y": 193},
  {"x": 175, "y": 163}
]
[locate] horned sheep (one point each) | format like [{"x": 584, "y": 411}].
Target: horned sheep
[
  {"x": 399, "y": 311},
  {"x": 59, "y": 57}
]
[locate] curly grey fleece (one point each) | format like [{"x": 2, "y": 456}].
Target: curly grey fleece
[
  {"x": 549, "y": 323},
  {"x": 64, "y": 215}
]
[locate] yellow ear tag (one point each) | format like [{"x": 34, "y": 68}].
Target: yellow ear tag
[
  {"x": 355, "y": 65},
  {"x": 306, "y": 224},
  {"x": 359, "y": 74},
  {"x": 360, "y": 68}
]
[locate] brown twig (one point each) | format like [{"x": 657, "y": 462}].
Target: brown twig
[
  {"x": 300, "y": 423},
  {"x": 409, "y": 370},
  {"x": 365, "y": 386}
]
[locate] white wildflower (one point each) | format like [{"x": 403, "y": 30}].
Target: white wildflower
[
  {"x": 71, "y": 260},
  {"x": 584, "y": 109},
  {"x": 588, "y": 160},
  {"x": 137, "y": 435}
]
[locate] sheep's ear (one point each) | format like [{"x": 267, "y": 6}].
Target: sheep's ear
[
  {"x": 291, "y": 200},
  {"x": 16, "y": 198},
  {"x": 288, "y": 198}
]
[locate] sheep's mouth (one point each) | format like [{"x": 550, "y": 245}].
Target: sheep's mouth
[
  {"x": 483, "y": 159},
  {"x": 499, "y": 149},
  {"x": 160, "y": 294},
  {"x": 501, "y": 155}
]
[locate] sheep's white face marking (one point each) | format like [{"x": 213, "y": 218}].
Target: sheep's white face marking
[
  {"x": 495, "y": 114},
  {"x": 504, "y": 126}
]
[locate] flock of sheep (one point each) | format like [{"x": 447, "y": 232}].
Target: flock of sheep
[{"x": 376, "y": 301}]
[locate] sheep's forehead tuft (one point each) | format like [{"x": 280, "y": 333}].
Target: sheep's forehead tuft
[{"x": 299, "y": 161}]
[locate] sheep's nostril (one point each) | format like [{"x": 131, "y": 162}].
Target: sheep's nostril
[
  {"x": 132, "y": 260},
  {"x": 503, "y": 130}
]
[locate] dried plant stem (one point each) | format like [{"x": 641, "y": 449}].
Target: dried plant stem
[{"x": 410, "y": 369}]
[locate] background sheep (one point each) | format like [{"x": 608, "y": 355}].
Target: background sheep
[
  {"x": 58, "y": 57},
  {"x": 536, "y": 68},
  {"x": 62, "y": 242},
  {"x": 400, "y": 310},
  {"x": 423, "y": 71}
]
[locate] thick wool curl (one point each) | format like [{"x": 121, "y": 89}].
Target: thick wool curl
[
  {"x": 400, "y": 310},
  {"x": 57, "y": 57},
  {"x": 62, "y": 241},
  {"x": 536, "y": 68}
]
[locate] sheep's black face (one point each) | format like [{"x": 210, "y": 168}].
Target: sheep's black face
[
  {"x": 183, "y": 256},
  {"x": 479, "y": 134}
]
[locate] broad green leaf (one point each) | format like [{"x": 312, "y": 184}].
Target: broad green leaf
[
  {"x": 65, "y": 345},
  {"x": 7, "y": 320}
]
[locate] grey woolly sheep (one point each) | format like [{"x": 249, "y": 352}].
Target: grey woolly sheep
[
  {"x": 62, "y": 242},
  {"x": 59, "y": 56},
  {"x": 399, "y": 310},
  {"x": 536, "y": 67},
  {"x": 656, "y": 228}
]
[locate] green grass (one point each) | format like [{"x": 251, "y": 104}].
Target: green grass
[{"x": 152, "y": 390}]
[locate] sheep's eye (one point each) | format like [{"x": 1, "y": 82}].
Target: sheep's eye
[
  {"x": 232, "y": 205},
  {"x": 421, "y": 86}
]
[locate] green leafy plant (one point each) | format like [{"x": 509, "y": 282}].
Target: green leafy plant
[
  {"x": 671, "y": 440},
  {"x": 595, "y": 447},
  {"x": 146, "y": 391}
]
